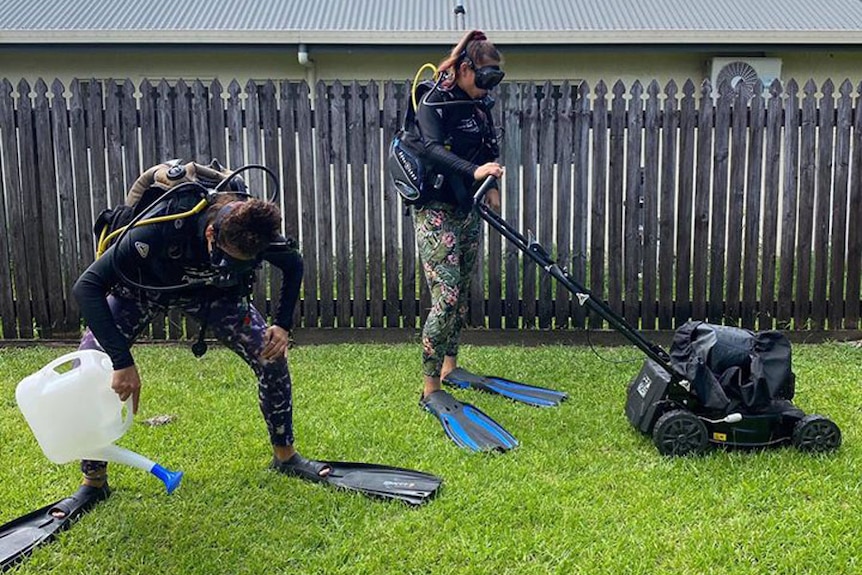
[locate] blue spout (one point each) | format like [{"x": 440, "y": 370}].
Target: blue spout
[{"x": 171, "y": 479}]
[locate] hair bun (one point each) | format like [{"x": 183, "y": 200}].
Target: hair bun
[{"x": 478, "y": 35}]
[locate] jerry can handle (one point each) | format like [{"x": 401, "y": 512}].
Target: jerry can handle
[
  {"x": 68, "y": 358},
  {"x": 129, "y": 417}
]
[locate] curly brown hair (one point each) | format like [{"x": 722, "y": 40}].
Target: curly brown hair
[{"x": 248, "y": 227}]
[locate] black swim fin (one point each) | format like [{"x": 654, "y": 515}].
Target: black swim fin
[
  {"x": 529, "y": 394},
  {"x": 466, "y": 424},
  {"x": 378, "y": 481},
  {"x": 21, "y": 536},
  {"x": 384, "y": 482}
]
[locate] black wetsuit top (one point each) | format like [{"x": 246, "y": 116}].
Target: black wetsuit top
[
  {"x": 456, "y": 135},
  {"x": 171, "y": 254}
]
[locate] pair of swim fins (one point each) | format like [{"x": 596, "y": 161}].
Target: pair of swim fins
[
  {"x": 21, "y": 536},
  {"x": 471, "y": 428}
]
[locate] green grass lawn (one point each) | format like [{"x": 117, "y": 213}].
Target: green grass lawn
[{"x": 584, "y": 493}]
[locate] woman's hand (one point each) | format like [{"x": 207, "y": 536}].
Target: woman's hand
[
  {"x": 127, "y": 383},
  {"x": 275, "y": 342},
  {"x": 489, "y": 169}
]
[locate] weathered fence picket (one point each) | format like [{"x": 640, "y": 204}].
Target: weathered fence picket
[
  {"x": 580, "y": 197},
  {"x": 838, "y": 234},
  {"x": 822, "y": 202},
  {"x": 565, "y": 159},
  {"x": 752, "y": 215},
  {"x": 65, "y": 188},
  {"x": 47, "y": 210},
  {"x": 359, "y": 219},
  {"x": 854, "y": 235},
  {"x": 82, "y": 190},
  {"x": 739, "y": 149},
  {"x": 512, "y": 98},
  {"x": 616, "y": 185},
  {"x": 216, "y": 122},
  {"x": 30, "y": 198},
  {"x": 340, "y": 198},
  {"x": 703, "y": 180},
  {"x": 199, "y": 124},
  {"x": 789, "y": 203},
  {"x": 718, "y": 209},
  {"x": 129, "y": 125},
  {"x": 649, "y": 207},
  {"x": 666, "y": 218},
  {"x": 685, "y": 203},
  {"x": 633, "y": 227},
  {"x": 308, "y": 221},
  {"x": 7, "y": 302},
  {"x": 545, "y": 207},
  {"x": 807, "y": 191},
  {"x": 17, "y": 238},
  {"x": 323, "y": 198},
  {"x": 391, "y": 215},
  {"x": 529, "y": 196},
  {"x": 771, "y": 195}
]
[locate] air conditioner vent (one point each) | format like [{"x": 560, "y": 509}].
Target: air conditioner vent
[{"x": 744, "y": 73}]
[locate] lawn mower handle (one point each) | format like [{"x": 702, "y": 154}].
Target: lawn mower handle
[
  {"x": 536, "y": 252},
  {"x": 487, "y": 185}
]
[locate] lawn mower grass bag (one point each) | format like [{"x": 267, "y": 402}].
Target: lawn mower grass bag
[{"x": 732, "y": 369}]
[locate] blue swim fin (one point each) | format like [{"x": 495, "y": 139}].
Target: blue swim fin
[
  {"x": 529, "y": 394},
  {"x": 467, "y": 425}
]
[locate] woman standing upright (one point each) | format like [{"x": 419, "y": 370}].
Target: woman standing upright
[{"x": 457, "y": 144}]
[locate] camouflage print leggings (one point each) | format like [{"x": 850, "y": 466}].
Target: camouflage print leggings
[
  {"x": 448, "y": 243},
  {"x": 226, "y": 317}
]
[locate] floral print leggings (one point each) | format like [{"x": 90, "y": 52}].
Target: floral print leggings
[{"x": 448, "y": 242}]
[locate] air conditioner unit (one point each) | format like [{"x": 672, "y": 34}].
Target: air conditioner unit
[{"x": 744, "y": 71}]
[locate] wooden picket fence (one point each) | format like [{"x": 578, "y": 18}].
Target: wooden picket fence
[{"x": 669, "y": 203}]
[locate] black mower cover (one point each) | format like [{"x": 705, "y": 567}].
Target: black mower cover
[{"x": 731, "y": 368}]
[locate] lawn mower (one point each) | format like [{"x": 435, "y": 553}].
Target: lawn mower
[{"x": 719, "y": 385}]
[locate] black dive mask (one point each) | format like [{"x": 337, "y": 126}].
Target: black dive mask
[
  {"x": 487, "y": 77},
  {"x": 227, "y": 264}
]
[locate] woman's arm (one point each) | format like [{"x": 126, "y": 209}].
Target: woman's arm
[
  {"x": 286, "y": 257},
  {"x": 91, "y": 291}
]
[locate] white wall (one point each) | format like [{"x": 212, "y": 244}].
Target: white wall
[{"x": 228, "y": 63}]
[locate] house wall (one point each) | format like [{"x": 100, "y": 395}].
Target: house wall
[{"x": 242, "y": 63}]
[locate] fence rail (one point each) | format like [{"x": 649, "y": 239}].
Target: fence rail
[{"x": 671, "y": 203}]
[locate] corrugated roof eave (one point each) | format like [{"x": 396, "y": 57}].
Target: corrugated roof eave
[{"x": 435, "y": 37}]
